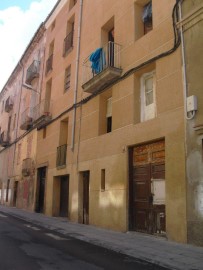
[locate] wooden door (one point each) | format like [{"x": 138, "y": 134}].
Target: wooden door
[
  {"x": 64, "y": 195},
  {"x": 147, "y": 188},
  {"x": 86, "y": 197},
  {"x": 141, "y": 197}
]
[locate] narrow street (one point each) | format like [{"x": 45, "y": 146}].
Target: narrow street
[{"x": 26, "y": 246}]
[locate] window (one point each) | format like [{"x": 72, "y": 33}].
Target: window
[
  {"x": 29, "y": 146},
  {"x": 67, "y": 79},
  {"x": 147, "y": 17},
  {"x": 143, "y": 17},
  {"x": 2, "y": 106},
  {"x": 105, "y": 112},
  {"x": 103, "y": 179},
  {"x": 148, "y": 105},
  {"x": 14, "y": 121},
  {"x": 61, "y": 156},
  {"x": 48, "y": 95},
  {"x": 49, "y": 62},
  {"x": 109, "y": 115},
  {"x": 19, "y": 154},
  {"x": 68, "y": 41},
  {"x": 53, "y": 25}
]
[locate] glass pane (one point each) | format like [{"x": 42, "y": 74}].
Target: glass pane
[
  {"x": 149, "y": 91},
  {"x": 149, "y": 98}
]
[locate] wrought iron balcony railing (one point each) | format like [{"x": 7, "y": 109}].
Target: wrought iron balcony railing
[
  {"x": 42, "y": 111},
  {"x": 68, "y": 43},
  {"x": 32, "y": 71},
  {"x": 27, "y": 167},
  {"x": 49, "y": 63},
  {"x": 101, "y": 66},
  {"x": 61, "y": 155},
  {"x": 26, "y": 119}
]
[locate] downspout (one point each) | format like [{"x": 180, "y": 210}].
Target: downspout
[
  {"x": 183, "y": 60},
  {"x": 76, "y": 75},
  {"x": 18, "y": 114},
  {"x": 185, "y": 89}
]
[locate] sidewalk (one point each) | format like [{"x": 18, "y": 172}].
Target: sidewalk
[{"x": 140, "y": 246}]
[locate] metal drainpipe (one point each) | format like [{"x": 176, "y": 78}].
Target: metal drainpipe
[
  {"x": 76, "y": 76},
  {"x": 185, "y": 93},
  {"x": 18, "y": 113},
  {"x": 183, "y": 59}
]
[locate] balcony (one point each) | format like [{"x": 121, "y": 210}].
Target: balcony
[
  {"x": 27, "y": 167},
  {"x": 61, "y": 156},
  {"x": 32, "y": 72},
  {"x": 4, "y": 139},
  {"x": 68, "y": 43},
  {"x": 101, "y": 67},
  {"x": 9, "y": 104},
  {"x": 41, "y": 113},
  {"x": 26, "y": 120},
  {"x": 49, "y": 63}
]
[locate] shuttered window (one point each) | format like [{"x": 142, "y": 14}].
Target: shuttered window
[{"x": 67, "y": 79}]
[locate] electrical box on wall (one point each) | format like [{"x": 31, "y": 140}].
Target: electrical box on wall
[{"x": 191, "y": 103}]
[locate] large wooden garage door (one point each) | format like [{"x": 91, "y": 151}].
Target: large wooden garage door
[{"x": 147, "y": 188}]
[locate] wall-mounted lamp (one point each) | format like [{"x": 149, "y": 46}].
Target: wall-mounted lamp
[{"x": 29, "y": 87}]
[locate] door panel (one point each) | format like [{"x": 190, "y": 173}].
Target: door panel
[
  {"x": 86, "y": 197},
  {"x": 64, "y": 194},
  {"x": 141, "y": 188},
  {"x": 148, "y": 165}
]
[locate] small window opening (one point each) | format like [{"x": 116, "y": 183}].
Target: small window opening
[{"x": 103, "y": 179}]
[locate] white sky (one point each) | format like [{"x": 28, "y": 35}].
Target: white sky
[{"x": 17, "y": 27}]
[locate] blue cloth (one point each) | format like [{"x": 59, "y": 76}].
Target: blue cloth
[
  {"x": 147, "y": 13},
  {"x": 98, "y": 60}
]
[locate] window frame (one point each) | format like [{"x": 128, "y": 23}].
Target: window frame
[{"x": 145, "y": 109}]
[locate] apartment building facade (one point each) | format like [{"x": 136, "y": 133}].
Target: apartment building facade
[
  {"x": 19, "y": 98},
  {"x": 110, "y": 129}
]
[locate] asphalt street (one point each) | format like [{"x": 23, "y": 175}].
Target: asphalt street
[{"x": 24, "y": 245}]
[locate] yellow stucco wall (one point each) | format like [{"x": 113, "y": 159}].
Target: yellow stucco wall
[{"x": 94, "y": 151}]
